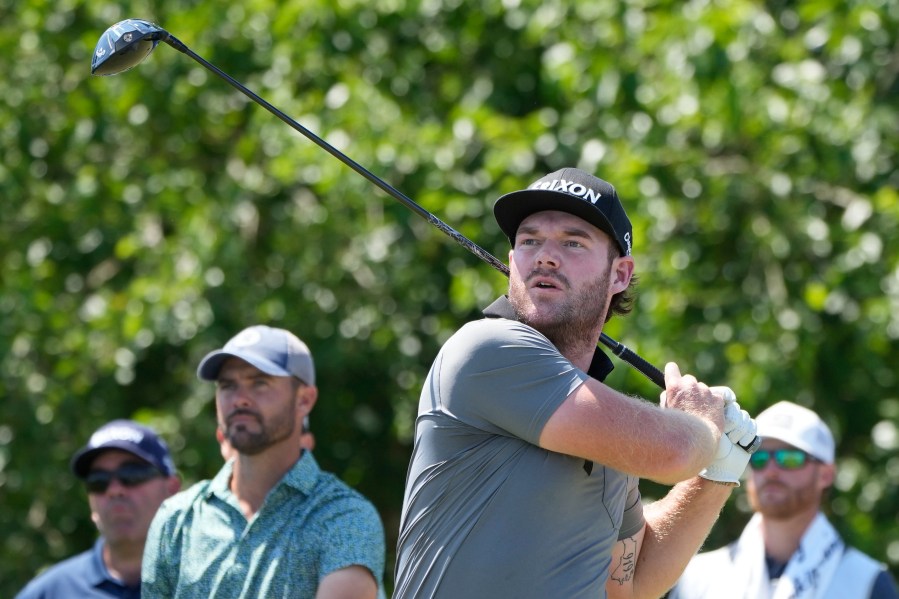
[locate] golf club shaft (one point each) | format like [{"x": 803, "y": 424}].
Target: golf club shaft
[
  {"x": 627, "y": 355},
  {"x": 384, "y": 186}
]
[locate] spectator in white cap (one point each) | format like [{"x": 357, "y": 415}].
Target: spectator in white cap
[
  {"x": 788, "y": 549},
  {"x": 271, "y": 523},
  {"x": 128, "y": 472}
]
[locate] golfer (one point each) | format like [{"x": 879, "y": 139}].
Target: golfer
[{"x": 523, "y": 480}]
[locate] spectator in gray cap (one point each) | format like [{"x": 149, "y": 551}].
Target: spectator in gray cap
[
  {"x": 128, "y": 472},
  {"x": 271, "y": 523},
  {"x": 788, "y": 548}
]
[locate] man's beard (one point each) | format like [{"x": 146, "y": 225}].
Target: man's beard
[
  {"x": 573, "y": 319},
  {"x": 278, "y": 428},
  {"x": 795, "y": 501}
]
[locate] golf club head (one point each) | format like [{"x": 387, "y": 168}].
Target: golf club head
[{"x": 125, "y": 45}]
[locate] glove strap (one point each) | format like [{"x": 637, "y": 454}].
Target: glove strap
[{"x": 721, "y": 482}]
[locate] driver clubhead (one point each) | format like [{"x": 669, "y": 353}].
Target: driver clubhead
[{"x": 125, "y": 45}]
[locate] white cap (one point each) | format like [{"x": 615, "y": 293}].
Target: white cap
[{"x": 798, "y": 426}]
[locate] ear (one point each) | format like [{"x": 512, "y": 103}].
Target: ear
[
  {"x": 173, "y": 484},
  {"x": 306, "y": 396},
  {"x": 826, "y": 475},
  {"x": 620, "y": 274}
]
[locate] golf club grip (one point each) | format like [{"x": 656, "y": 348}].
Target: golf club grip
[
  {"x": 656, "y": 376},
  {"x": 635, "y": 360}
]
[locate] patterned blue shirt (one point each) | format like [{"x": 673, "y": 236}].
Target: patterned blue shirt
[{"x": 200, "y": 545}]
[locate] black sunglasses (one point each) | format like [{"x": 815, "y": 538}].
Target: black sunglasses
[
  {"x": 787, "y": 459},
  {"x": 130, "y": 475}
]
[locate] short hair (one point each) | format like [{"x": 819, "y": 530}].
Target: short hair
[{"x": 623, "y": 302}]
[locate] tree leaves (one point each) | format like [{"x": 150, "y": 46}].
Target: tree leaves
[{"x": 151, "y": 215}]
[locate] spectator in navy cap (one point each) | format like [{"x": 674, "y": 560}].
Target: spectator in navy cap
[
  {"x": 271, "y": 523},
  {"x": 128, "y": 472}
]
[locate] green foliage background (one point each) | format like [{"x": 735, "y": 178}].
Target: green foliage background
[{"x": 147, "y": 217}]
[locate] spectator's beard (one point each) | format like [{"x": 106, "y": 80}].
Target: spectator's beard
[
  {"x": 570, "y": 325},
  {"x": 776, "y": 500},
  {"x": 250, "y": 440}
]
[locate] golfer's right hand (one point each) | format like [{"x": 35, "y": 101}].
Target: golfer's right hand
[
  {"x": 738, "y": 424},
  {"x": 685, "y": 393}
]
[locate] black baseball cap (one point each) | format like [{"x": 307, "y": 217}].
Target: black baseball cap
[
  {"x": 129, "y": 436},
  {"x": 573, "y": 191}
]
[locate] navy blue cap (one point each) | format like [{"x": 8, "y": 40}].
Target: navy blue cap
[
  {"x": 573, "y": 191},
  {"x": 129, "y": 436},
  {"x": 273, "y": 351}
]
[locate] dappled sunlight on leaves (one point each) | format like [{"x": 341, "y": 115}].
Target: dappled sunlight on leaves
[{"x": 149, "y": 216}]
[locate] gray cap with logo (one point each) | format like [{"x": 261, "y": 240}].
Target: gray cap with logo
[{"x": 273, "y": 351}]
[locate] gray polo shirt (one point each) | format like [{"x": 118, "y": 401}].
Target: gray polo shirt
[{"x": 487, "y": 512}]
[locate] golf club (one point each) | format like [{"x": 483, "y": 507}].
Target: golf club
[{"x": 127, "y": 43}]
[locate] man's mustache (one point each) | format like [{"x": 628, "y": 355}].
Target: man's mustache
[
  {"x": 548, "y": 274},
  {"x": 120, "y": 501},
  {"x": 772, "y": 484},
  {"x": 242, "y": 412}
]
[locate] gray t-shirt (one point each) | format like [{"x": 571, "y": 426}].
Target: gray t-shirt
[{"x": 487, "y": 512}]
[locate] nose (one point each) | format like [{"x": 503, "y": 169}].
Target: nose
[
  {"x": 547, "y": 255},
  {"x": 236, "y": 395},
  {"x": 242, "y": 395},
  {"x": 768, "y": 469},
  {"x": 115, "y": 488}
]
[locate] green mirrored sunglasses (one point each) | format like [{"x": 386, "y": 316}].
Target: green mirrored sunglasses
[{"x": 786, "y": 459}]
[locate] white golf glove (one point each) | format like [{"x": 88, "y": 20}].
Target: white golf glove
[
  {"x": 738, "y": 425},
  {"x": 739, "y": 433}
]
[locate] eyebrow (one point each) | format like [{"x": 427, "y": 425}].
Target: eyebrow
[
  {"x": 224, "y": 378},
  {"x": 568, "y": 231}
]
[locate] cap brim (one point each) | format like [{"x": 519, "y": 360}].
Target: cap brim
[
  {"x": 81, "y": 461},
  {"x": 209, "y": 367},
  {"x": 512, "y": 208}
]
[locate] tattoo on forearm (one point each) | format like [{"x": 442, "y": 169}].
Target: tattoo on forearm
[{"x": 623, "y": 571}]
